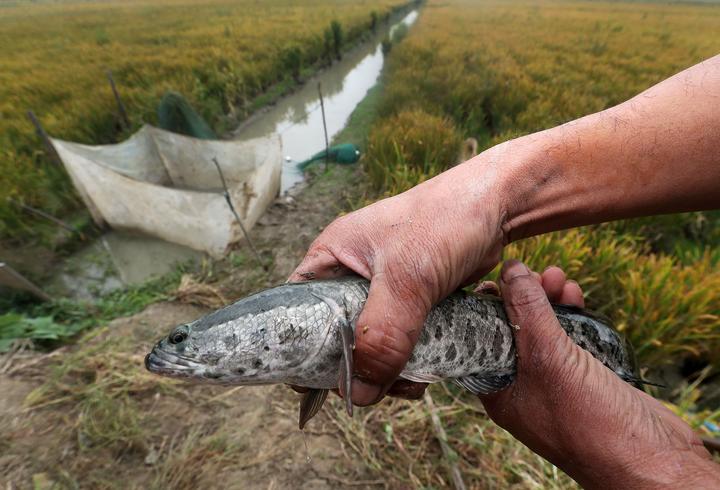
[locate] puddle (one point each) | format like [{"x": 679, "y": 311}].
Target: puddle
[
  {"x": 297, "y": 117},
  {"x": 116, "y": 260}
]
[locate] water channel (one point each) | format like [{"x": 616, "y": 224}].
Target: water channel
[{"x": 117, "y": 259}]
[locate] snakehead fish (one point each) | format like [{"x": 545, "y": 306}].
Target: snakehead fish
[{"x": 303, "y": 334}]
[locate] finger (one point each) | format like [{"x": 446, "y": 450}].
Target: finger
[
  {"x": 319, "y": 263},
  {"x": 487, "y": 287},
  {"x": 407, "y": 389},
  {"x": 537, "y": 276},
  {"x": 386, "y": 332},
  {"x": 572, "y": 295},
  {"x": 553, "y": 281},
  {"x": 527, "y": 306}
]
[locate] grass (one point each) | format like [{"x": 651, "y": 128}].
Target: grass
[
  {"x": 47, "y": 325},
  {"x": 222, "y": 55}
]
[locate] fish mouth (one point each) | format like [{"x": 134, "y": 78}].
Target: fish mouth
[{"x": 159, "y": 361}]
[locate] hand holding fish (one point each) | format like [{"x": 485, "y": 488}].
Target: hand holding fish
[{"x": 610, "y": 435}]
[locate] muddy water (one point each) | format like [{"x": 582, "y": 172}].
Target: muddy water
[
  {"x": 297, "y": 117},
  {"x": 115, "y": 260},
  {"x": 118, "y": 259}
]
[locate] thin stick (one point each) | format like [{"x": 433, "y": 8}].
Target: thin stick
[
  {"x": 327, "y": 143},
  {"x": 43, "y": 214},
  {"x": 121, "y": 107},
  {"x": 44, "y": 137},
  {"x": 237, "y": 218},
  {"x": 441, "y": 436}
]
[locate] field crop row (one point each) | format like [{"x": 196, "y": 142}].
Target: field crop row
[{"x": 220, "y": 54}]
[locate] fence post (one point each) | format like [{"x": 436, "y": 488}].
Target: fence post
[
  {"x": 52, "y": 152},
  {"x": 124, "y": 121}
]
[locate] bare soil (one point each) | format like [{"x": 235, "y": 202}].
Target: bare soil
[{"x": 89, "y": 416}]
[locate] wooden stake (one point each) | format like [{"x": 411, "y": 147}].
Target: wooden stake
[
  {"x": 327, "y": 143},
  {"x": 124, "y": 121},
  {"x": 52, "y": 152}
]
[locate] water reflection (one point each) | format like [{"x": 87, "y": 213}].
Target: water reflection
[{"x": 297, "y": 118}]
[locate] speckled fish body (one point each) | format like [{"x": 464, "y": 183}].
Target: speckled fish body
[{"x": 289, "y": 334}]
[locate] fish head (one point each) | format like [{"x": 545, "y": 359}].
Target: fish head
[
  {"x": 184, "y": 353},
  {"x": 220, "y": 353},
  {"x": 286, "y": 334},
  {"x": 249, "y": 343}
]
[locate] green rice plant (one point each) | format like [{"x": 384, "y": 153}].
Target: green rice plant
[{"x": 293, "y": 59}]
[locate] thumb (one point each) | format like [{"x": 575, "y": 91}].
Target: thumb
[
  {"x": 540, "y": 340},
  {"x": 545, "y": 354},
  {"x": 386, "y": 333}
]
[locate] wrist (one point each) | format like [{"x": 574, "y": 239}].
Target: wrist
[
  {"x": 652, "y": 468},
  {"x": 553, "y": 180}
]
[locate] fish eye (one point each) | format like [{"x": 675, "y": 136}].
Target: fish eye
[{"x": 179, "y": 335}]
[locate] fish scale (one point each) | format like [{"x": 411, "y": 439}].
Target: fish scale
[{"x": 302, "y": 334}]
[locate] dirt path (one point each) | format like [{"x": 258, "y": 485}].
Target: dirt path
[{"x": 90, "y": 416}]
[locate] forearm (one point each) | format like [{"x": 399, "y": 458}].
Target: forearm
[{"x": 656, "y": 153}]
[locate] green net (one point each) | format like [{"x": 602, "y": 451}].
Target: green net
[
  {"x": 345, "y": 153},
  {"x": 177, "y": 115}
]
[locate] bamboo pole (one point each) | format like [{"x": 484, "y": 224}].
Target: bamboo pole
[
  {"x": 40, "y": 131},
  {"x": 327, "y": 143},
  {"x": 124, "y": 121}
]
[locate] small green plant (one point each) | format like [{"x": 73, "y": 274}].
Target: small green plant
[
  {"x": 293, "y": 60},
  {"x": 15, "y": 327},
  {"x": 386, "y": 44},
  {"x": 338, "y": 38}
]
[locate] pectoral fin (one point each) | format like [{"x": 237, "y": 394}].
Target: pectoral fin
[
  {"x": 341, "y": 322},
  {"x": 484, "y": 384},
  {"x": 346, "y": 367},
  {"x": 311, "y": 403}
]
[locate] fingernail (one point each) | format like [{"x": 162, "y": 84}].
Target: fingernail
[
  {"x": 512, "y": 269},
  {"x": 364, "y": 394},
  {"x": 487, "y": 287}
]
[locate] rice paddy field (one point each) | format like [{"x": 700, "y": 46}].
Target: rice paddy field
[
  {"x": 87, "y": 415},
  {"x": 495, "y": 70},
  {"x": 222, "y": 55}
]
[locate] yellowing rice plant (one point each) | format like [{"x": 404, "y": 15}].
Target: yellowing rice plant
[
  {"x": 221, "y": 54},
  {"x": 495, "y": 70}
]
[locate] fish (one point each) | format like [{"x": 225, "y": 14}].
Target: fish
[{"x": 303, "y": 334}]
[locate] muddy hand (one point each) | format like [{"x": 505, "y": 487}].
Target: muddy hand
[
  {"x": 569, "y": 408},
  {"x": 416, "y": 248}
]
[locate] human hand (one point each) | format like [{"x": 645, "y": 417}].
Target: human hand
[
  {"x": 573, "y": 411},
  {"x": 416, "y": 248}
]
